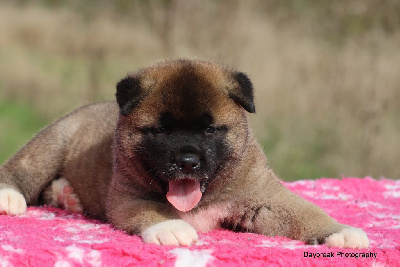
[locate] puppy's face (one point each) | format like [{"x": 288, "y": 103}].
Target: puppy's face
[{"x": 184, "y": 121}]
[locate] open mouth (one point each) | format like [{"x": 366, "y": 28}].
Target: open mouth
[{"x": 184, "y": 194}]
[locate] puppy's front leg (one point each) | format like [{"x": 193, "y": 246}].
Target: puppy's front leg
[
  {"x": 154, "y": 221},
  {"x": 286, "y": 214}
]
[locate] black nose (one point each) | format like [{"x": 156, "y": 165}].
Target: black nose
[{"x": 187, "y": 163}]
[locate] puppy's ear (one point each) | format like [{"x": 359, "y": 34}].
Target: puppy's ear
[
  {"x": 243, "y": 93},
  {"x": 129, "y": 93}
]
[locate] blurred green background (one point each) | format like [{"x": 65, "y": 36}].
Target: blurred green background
[{"x": 326, "y": 73}]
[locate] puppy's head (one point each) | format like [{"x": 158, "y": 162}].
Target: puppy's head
[{"x": 184, "y": 121}]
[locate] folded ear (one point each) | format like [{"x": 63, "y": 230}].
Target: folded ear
[
  {"x": 129, "y": 93},
  {"x": 243, "y": 93}
]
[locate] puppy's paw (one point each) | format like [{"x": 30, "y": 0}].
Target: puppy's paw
[
  {"x": 349, "y": 237},
  {"x": 12, "y": 202},
  {"x": 63, "y": 196},
  {"x": 171, "y": 232}
]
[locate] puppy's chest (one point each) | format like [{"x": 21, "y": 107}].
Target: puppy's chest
[{"x": 206, "y": 219}]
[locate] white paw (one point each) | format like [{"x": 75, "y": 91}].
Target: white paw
[
  {"x": 63, "y": 196},
  {"x": 348, "y": 238},
  {"x": 12, "y": 202},
  {"x": 171, "y": 232}
]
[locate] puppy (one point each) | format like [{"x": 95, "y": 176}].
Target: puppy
[{"x": 172, "y": 156}]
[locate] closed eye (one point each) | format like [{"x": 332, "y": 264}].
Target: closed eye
[
  {"x": 154, "y": 130},
  {"x": 210, "y": 130}
]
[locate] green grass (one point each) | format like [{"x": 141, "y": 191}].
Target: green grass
[
  {"x": 18, "y": 124},
  {"x": 304, "y": 156}
]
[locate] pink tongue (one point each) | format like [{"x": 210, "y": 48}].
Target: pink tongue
[{"x": 184, "y": 194}]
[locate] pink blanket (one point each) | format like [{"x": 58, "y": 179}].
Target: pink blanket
[{"x": 52, "y": 237}]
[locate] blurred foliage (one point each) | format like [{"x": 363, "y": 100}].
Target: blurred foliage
[
  {"x": 19, "y": 123},
  {"x": 338, "y": 19},
  {"x": 325, "y": 72},
  {"x": 333, "y": 19}
]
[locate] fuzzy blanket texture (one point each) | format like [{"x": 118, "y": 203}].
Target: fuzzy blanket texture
[{"x": 47, "y": 236}]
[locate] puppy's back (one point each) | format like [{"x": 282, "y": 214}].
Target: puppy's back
[{"x": 44, "y": 157}]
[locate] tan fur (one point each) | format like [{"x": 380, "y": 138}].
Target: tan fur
[{"x": 94, "y": 149}]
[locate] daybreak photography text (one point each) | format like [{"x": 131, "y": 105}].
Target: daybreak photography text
[{"x": 339, "y": 254}]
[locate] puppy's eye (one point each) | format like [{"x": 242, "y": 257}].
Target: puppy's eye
[
  {"x": 154, "y": 130},
  {"x": 210, "y": 130},
  {"x": 159, "y": 130}
]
